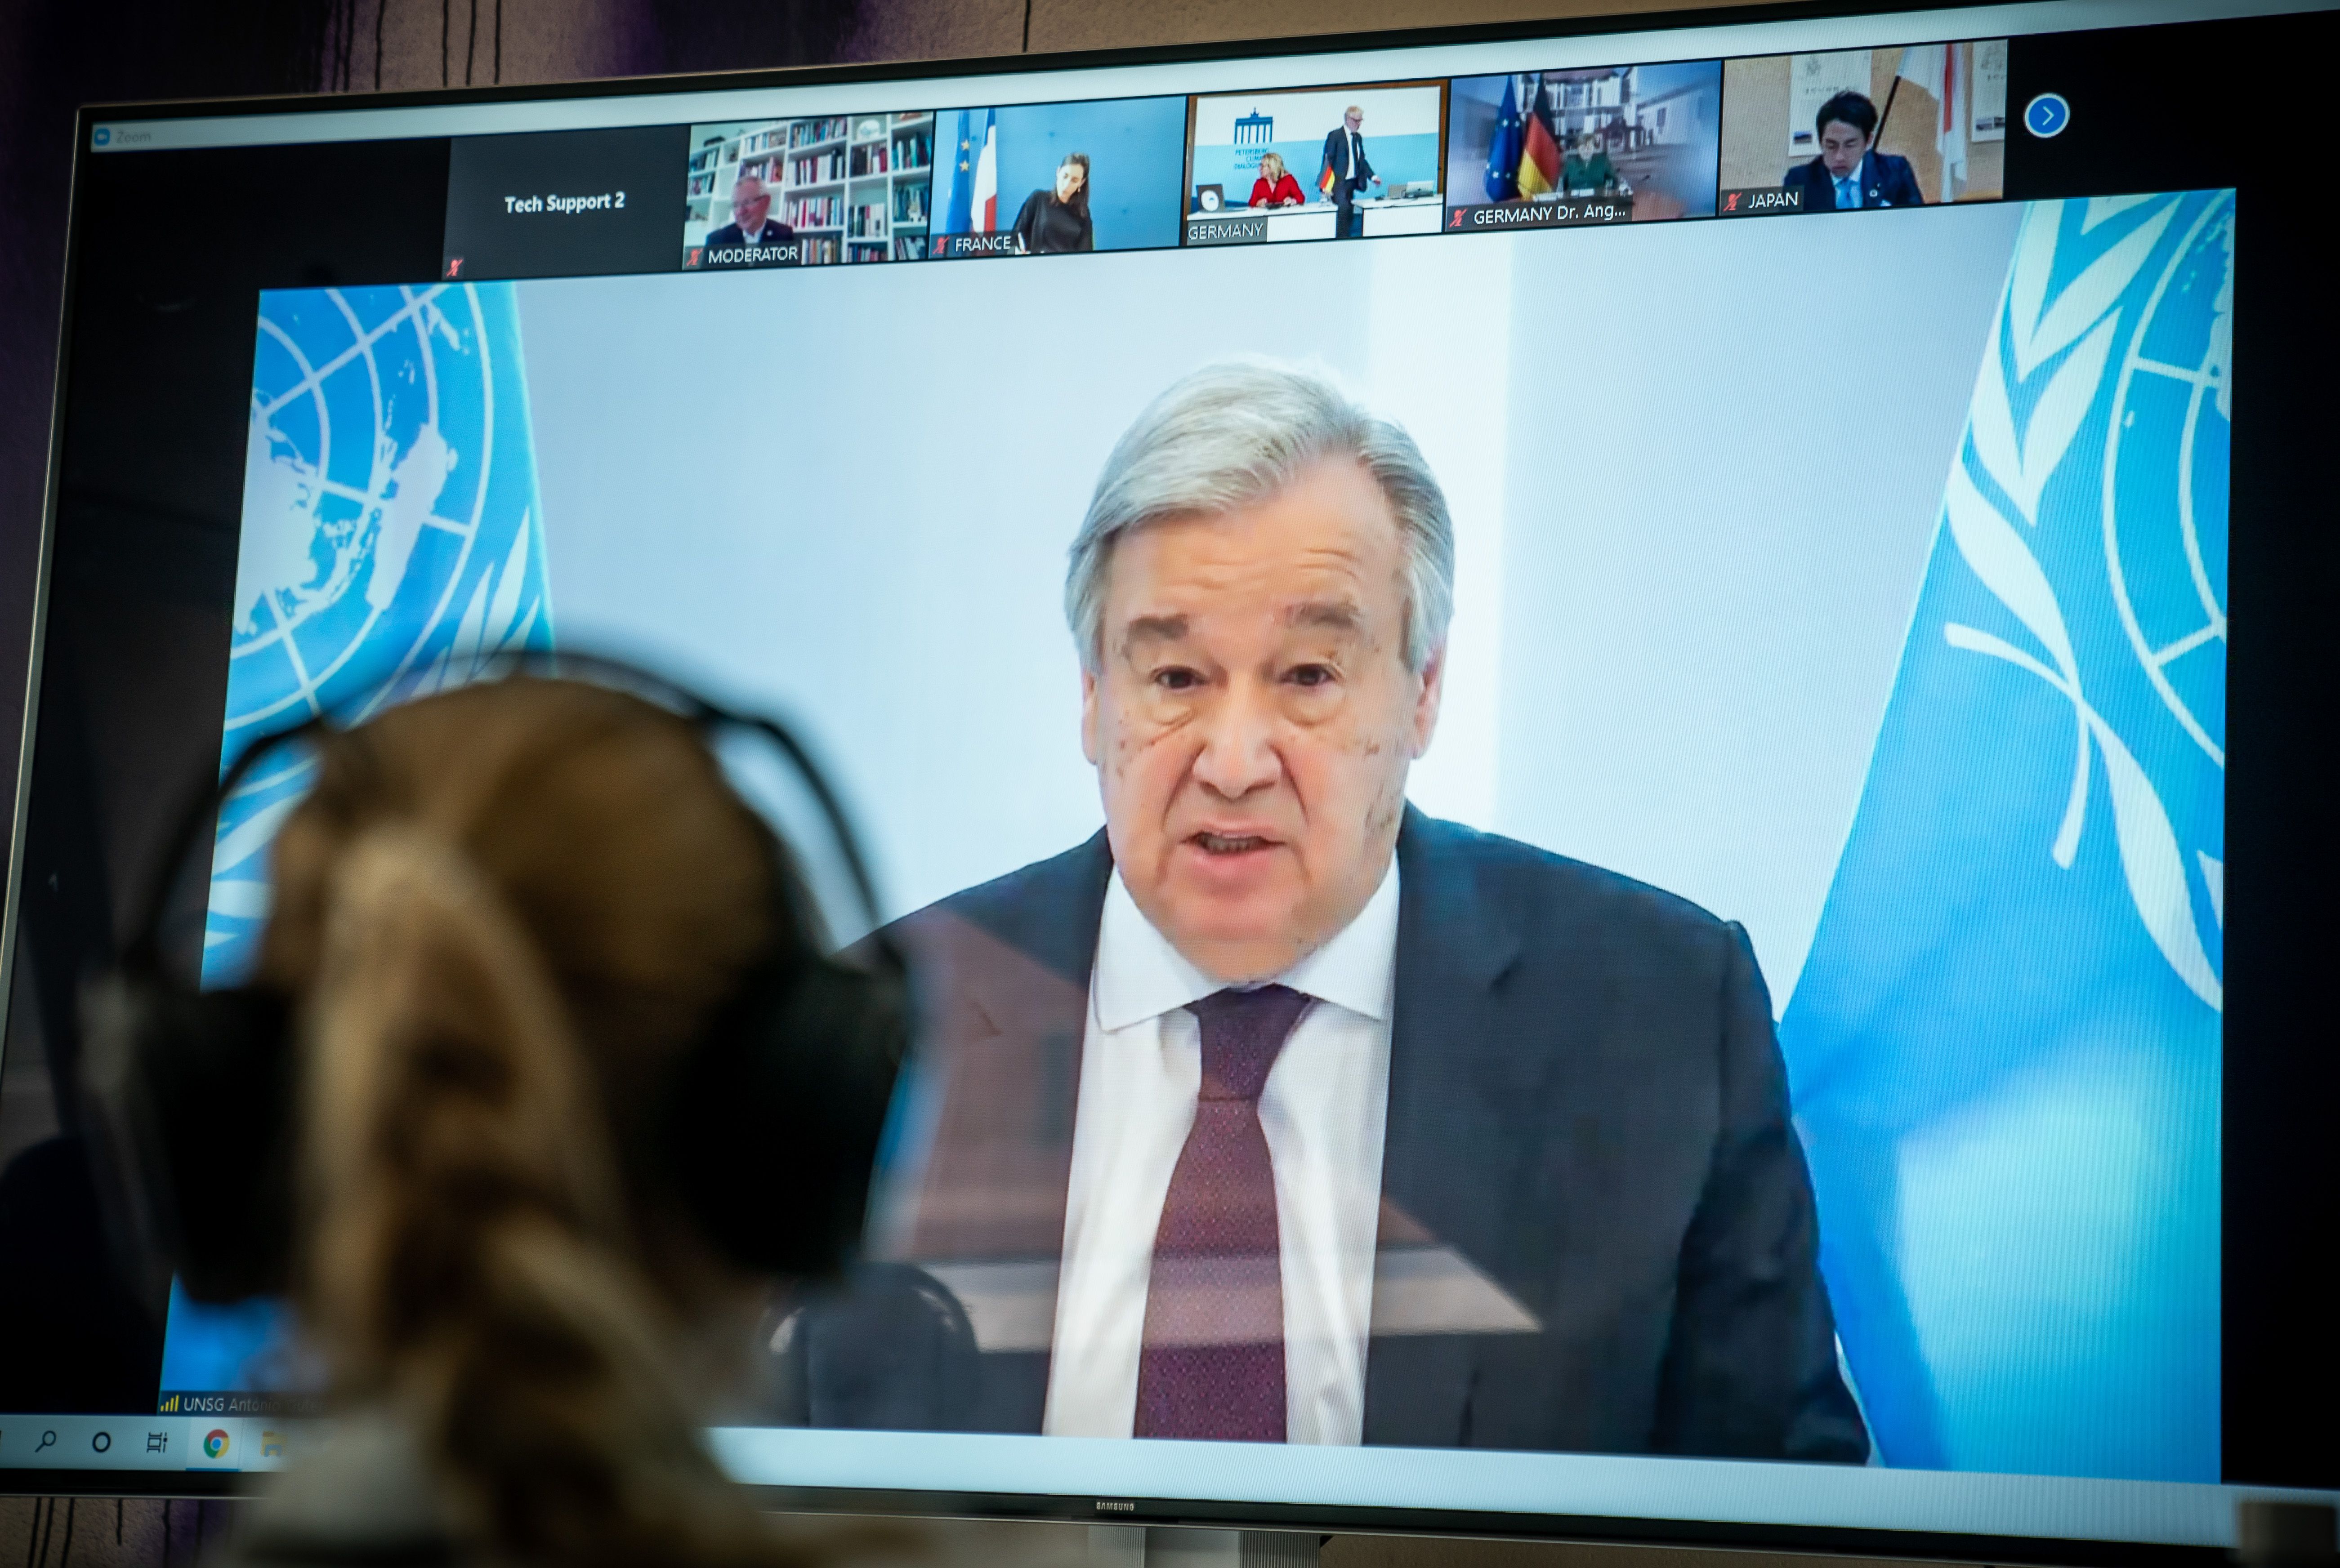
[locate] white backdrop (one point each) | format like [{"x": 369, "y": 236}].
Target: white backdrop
[{"x": 1694, "y": 466}]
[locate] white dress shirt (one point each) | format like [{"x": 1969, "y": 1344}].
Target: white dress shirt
[{"x": 1324, "y": 1110}]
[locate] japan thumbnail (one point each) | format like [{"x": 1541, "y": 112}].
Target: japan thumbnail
[{"x": 1857, "y": 129}]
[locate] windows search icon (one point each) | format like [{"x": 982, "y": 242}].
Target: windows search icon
[{"x": 214, "y": 1443}]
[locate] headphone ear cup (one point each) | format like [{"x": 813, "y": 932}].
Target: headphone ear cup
[
  {"x": 190, "y": 1095},
  {"x": 778, "y": 1114}
]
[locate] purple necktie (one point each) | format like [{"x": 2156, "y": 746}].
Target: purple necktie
[{"x": 1212, "y": 1366}]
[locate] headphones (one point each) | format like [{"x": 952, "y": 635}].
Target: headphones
[{"x": 773, "y": 1114}]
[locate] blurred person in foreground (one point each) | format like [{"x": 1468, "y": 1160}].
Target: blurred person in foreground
[
  {"x": 1282, "y": 1111},
  {"x": 502, "y": 919}
]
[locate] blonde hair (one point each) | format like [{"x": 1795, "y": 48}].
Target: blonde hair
[
  {"x": 1264, "y": 159},
  {"x": 504, "y": 915}
]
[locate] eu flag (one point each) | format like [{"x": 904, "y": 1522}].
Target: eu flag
[
  {"x": 957, "y": 151},
  {"x": 2005, "y": 1045},
  {"x": 1503, "y": 149}
]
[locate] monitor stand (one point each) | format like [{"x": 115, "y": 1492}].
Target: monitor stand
[{"x": 1180, "y": 1546}]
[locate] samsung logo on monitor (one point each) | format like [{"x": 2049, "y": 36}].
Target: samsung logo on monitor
[{"x": 1104, "y": 1507}]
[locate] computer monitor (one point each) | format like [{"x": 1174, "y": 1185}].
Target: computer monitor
[{"x": 1734, "y": 786}]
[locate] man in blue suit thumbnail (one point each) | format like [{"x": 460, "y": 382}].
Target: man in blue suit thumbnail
[
  {"x": 1281, "y": 1111},
  {"x": 1348, "y": 168},
  {"x": 1850, "y": 173}
]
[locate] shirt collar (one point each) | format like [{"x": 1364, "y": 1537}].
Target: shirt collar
[{"x": 1139, "y": 975}]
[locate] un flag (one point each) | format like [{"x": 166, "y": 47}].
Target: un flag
[
  {"x": 2004, "y": 1046},
  {"x": 392, "y": 541}
]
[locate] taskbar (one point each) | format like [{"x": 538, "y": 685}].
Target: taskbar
[{"x": 152, "y": 1443}]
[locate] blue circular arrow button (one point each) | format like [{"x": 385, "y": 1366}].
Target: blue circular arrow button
[{"x": 2046, "y": 115}]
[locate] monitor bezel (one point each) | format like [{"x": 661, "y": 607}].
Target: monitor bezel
[{"x": 1172, "y": 1513}]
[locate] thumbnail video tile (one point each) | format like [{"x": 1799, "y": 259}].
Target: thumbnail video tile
[
  {"x": 809, "y": 192},
  {"x": 1859, "y": 128},
  {"x": 1050, "y": 179},
  {"x": 1323, "y": 164},
  {"x": 1617, "y": 143},
  {"x": 559, "y": 204}
]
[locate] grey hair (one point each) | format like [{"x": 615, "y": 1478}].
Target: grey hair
[{"x": 1234, "y": 433}]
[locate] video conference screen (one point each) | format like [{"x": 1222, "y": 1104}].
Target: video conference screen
[{"x": 1564, "y": 849}]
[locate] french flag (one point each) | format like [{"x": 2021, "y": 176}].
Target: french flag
[{"x": 986, "y": 215}]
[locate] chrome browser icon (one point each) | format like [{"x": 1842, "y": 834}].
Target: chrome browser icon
[{"x": 214, "y": 1443}]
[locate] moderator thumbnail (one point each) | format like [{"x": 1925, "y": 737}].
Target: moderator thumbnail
[{"x": 808, "y": 191}]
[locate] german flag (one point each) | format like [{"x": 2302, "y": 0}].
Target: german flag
[
  {"x": 1324, "y": 182},
  {"x": 1539, "y": 160}
]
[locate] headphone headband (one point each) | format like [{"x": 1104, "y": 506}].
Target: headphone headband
[{"x": 202, "y": 812}]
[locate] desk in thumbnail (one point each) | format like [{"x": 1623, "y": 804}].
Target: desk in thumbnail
[{"x": 1255, "y": 226}]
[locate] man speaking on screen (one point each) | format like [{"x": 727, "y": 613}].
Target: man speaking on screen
[{"x": 1280, "y": 1112}]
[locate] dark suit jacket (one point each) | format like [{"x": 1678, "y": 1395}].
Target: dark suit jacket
[
  {"x": 1336, "y": 158},
  {"x": 730, "y": 236},
  {"x": 1886, "y": 181},
  {"x": 1587, "y": 1110}
]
